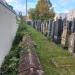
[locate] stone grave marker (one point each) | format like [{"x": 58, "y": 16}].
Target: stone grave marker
[
  {"x": 39, "y": 25},
  {"x": 73, "y": 26},
  {"x": 42, "y": 27},
  {"x": 71, "y": 46},
  {"x": 69, "y": 25},
  {"x": 65, "y": 36},
  {"x": 52, "y": 30},
  {"x": 45, "y": 28},
  {"x": 49, "y": 27},
  {"x": 34, "y": 23},
  {"x": 58, "y": 30}
]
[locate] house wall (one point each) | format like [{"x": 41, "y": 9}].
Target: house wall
[
  {"x": 8, "y": 28},
  {"x": 71, "y": 15}
]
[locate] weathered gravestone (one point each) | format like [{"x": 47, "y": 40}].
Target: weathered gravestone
[
  {"x": 29, "y": 22},
  {"x": 52, "y": 30},
  {"x": 39, "y": 25},
  {"x": 73, "y": 26},
  {"x": 34, "y": 23},
  {"x": 49, "y": 27},
  {"x": 58, "y": 30},
  {"x": 42, "y": 26},
  {"x": 71, "y": 46},
  {"x": 29, "y": 63},
  {"x": 64, "y": 21},
  {"x": 69, "y": 25},
  {"x": 65, "y": 36},
  {"x": 45, "y": 28}
]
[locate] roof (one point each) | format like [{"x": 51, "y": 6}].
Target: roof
[{"x": 4, "y": 3}]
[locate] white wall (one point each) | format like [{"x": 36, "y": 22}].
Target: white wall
[
  {"x": 8, "y": 29},
  {"x": 71, "y": 15}
]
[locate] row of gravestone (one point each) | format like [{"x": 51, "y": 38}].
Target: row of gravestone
[{"x": 60, "y": 31}]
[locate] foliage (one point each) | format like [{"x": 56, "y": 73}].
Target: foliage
[
  {"x": 43, "y": 10},
  {"x": 11, "y": 62},
  {"x": 46, "y": 51},
  {"x": 33, "y": 14}
]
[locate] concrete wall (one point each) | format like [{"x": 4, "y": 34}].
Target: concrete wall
[{"x": 8, "y": 28}]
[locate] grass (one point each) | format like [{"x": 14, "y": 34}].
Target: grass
[
  {"x": 46, "y": 51},
  {"x": 65, "y": 65}
]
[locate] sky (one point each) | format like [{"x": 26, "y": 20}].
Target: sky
[{"x": 60, "y": 6}]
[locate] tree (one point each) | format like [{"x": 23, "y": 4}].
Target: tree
[
  {"x": 43, "y": 10},
  {"x": 44, "y": 7},
  {"x": 31, "y": 13}
]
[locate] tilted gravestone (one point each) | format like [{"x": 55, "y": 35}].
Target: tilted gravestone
[
  {"x": 58, "y": 30},
  {"x": 71, "y": 46},
  {"x": 65, "y": 36},
  {"x": 73, "y": 26},
  {"x": 49, "y": 27}
]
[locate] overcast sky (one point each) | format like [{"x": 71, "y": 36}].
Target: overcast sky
[{"x": 60, "y": 6}]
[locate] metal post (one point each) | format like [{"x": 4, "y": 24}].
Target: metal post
[{"x": 26, "y": 8}]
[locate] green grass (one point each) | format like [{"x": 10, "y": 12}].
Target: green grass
[
  {"x": 46, "y": 51},
  {"x": 65, "y": 65}
]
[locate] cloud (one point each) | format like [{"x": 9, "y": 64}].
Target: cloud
[
  {"x": 10, "y": 1},
  {"x": 63, "y": 2}
]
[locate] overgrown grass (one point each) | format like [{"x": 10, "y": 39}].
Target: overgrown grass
[
  {"x": 11, "y": 62},
  {"x": 46, "y": 50}
]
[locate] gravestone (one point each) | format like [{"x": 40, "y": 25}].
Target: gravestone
[
  {"x": 34, "y": 23},
  {"x": 69, "y": 25},
  {"x": 29, "y": 22},
  {"x": 64, "y": 37},
  {"x": 49, "y": 28},
  {"x": 52, "y": 30},
  {"x": 45, "y": 28},
  {"x": 71, "y": 46},
  {"x": 58, "y": 30},
  {"x": 73, "y": 26},
  {"x": 39, "y": 25},
  {"x": 64, "y": 21}
]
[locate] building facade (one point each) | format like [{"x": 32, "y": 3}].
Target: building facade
[{"x": 71, "y": 15}]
